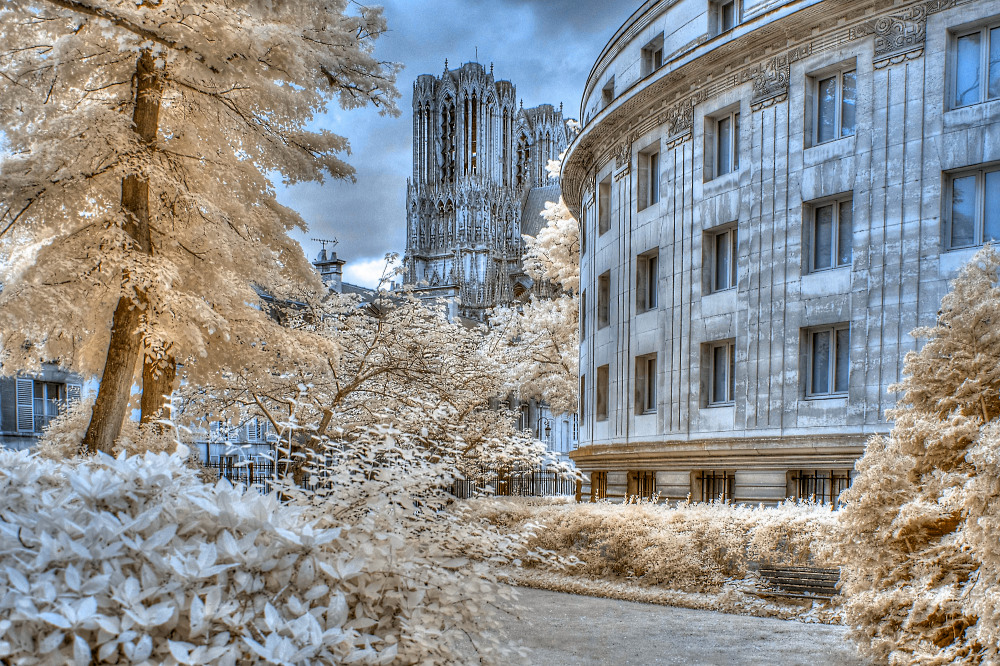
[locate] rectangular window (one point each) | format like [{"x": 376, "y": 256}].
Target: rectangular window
[
  {"x": 723, "y": 246},
  {"x": 645, "y": 384},
  {"x": 820, "y": 485},
  {"x": 601, "y": 397},
  {"x": 584, "y": 219},
  {"x": 717, "y": 486},
  {"x": 726, "y": 149},
  {"x": 583, "y": 315},
  {"x": 647, "y": 280},
  {"x": 830, "y": 234},
  {"x": 643, "y": 484},
  {"x": 583, "y": 397},
  {"x": 598, "y": 486},
  {"x": 829, "y": 360},
  {"x": 649, "y": 177},
  {"x": 974, "y": 208},
  {"x": 975, "y": 70},
  {"x": 604, "y": 206},
  {"x": 608, "y": 92},
  {"x": 604, "y": 300},
  {"x": 48, "y": 399},
  {"x": 652, "y": 55},
  {"x": 836, "y": 103},
  {"x": 725, "y": 15},
  {"x": 722, "y": 373}
]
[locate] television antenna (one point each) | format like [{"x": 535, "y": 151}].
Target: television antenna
[{"x": 325, "y": 241}]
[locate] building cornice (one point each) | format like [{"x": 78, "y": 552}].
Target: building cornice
[{"x": 777, "y": 39}]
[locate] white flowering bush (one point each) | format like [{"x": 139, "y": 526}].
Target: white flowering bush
[{"x": 134, "y": 560}]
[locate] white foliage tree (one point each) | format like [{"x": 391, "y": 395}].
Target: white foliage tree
[
  {"x": 139, "y": 138},
  {"x": 399, "y": 363},
  {"x": 538, "y": 342},
  {"x": 919, "y": 527}
]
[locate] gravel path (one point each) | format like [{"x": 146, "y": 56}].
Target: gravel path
[{"x": 569, "y": 629}]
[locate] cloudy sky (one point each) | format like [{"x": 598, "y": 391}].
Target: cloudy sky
[{"x": 545, "y": 47}]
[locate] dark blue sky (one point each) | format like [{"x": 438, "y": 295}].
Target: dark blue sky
[{"x": 545, "y": 47}]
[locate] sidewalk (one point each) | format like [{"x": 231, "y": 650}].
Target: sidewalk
[{"x": 569, "y": 629}]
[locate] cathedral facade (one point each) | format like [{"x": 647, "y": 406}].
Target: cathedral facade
[{"x": 479, "y": 182}]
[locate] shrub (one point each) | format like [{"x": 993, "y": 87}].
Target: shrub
[
  {"x": 688, "y": 547},
  {"x": 134, "y": 560}
]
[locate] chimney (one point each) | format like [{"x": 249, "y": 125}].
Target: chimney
[{"x": 331, "y": 269}]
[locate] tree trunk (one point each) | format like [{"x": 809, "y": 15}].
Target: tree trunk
[
  {"x": 157, "y": 385},
  {"x": 111, "y": 406}
]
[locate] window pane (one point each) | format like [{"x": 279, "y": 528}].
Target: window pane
[
  {"x": 826, "y": 110},
  {"x": 733, "y": 254},
  {"x": 728, "y": 12},
  {"x": 821, "y": 362},
  {"x": 654, "y": 178},
  {"x": 651, "y": 280},
  {"x": 967, "y": 70},
  {"x": 651, "y": 384},
  {"x": 843, "y": 360},
  {"x": 848, "y": 103},
  {"x": 720, "y": 367},
  {"x": 994, "y": 85},
  {"x": 991, "y": 209},
  {"x": 963, "y": 211},
  {"x": 844, "y": 235},
  {"x": 736, "y": 141},
  {"x": 722, "y": 270},
  {"x": 723, "y": 161},
  {"x": 732, "y": 372},
  {"x": 823, "y": 238}
]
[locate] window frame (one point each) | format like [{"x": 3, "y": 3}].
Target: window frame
[
  {"x": 652, "y": 55},
  {"x": 984, "y": 30},
  {"x": 604, "y": 205},
  {"x": 603, "y": 383},
  {"x": 812, "y": 209},
  {"x": 815, "y": 79},
  {"x": 728, "y": 480},
  {"x": 608, "y": 92},
  {"x": 645, "y": 384},
  {"x": 730, "y": 369},
  {"x": 979, "y": 223},
  {"x": 835, "y": 347},
  {"x": 713, "y": 144},
  {"x": 648, "y": 177},
  {"x": 731, "y": 232},
  {"x": 647, "y": 280},
  {"x": 835, "y": 482},
  {"x": 717, "y": 14},
  {"x": 583, "y": 315},
  {"x": 603, "y": 300}
]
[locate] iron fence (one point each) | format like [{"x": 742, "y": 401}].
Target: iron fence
[{"x": 538, "y": 482}]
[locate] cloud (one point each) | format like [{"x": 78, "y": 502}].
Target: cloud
[{"x": 366, "y": 272}]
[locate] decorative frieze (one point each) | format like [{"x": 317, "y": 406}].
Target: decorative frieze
[{"x": 771, "y": 77}]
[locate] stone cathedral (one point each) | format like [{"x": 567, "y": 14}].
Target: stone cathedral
[{"x": 479, "y": 182}]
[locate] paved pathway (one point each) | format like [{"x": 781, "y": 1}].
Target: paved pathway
[{"x": 570, "y": 629}]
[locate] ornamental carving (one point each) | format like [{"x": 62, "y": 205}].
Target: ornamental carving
[
  {"x": 770, "y": 78},
  {"x": 622, "y": 153}
]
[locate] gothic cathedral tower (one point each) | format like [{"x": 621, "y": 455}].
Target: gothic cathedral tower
[{"x": 479, "y": 182}]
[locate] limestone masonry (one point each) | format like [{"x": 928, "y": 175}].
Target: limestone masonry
[{"x": 772, "y": 195}]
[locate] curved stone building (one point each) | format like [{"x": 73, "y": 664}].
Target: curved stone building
[
  {"x": 479, "y": 182},
  {"x": 772, "y": 194}
]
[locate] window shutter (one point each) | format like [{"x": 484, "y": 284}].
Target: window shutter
[
  {"x": 73, "y": 393},
  {"x": 251, "y": 430},
  {"x": 25, "y": 405}
]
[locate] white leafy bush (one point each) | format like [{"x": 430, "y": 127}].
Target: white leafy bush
[
  {"x": 687, "y": 547},
  {"x": 134, "y": 560}
]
